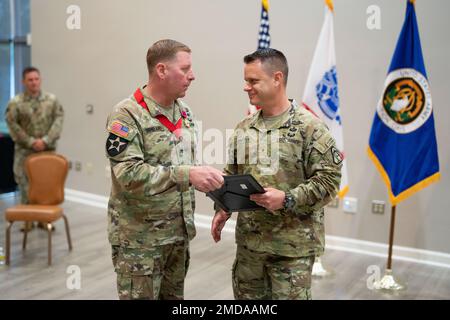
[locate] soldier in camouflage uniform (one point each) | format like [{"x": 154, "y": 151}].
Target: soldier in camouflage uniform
[
  {"x": 151, "y": 148},
  {"x": 35, "y": 120},
  {"x": 276, "y": 245}
]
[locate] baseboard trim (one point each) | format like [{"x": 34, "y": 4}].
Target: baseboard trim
[
  {"x": 89, "y": 199},
  {"x": 433, "y": 258},
  {"x": 8, "y": 195}
]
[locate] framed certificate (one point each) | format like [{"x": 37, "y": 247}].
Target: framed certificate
[{"x": 235, "y": 193}]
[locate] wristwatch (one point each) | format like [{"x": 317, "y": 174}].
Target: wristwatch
[{"x": 289, "y": 201}]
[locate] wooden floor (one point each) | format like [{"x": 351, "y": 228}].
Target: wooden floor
[{"x": 209, "y": 276}]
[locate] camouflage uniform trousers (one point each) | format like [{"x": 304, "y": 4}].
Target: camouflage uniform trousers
[
  {"x": 20, "y": 175},
  {"x": 264, "y": 276},
  {"x": 156, "y": 273}
]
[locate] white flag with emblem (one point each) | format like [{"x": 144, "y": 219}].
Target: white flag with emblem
[{"x": 321, "y": 89}]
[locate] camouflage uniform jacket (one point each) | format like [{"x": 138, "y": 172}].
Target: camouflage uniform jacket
[
  {"x": 151, "y": 201},
  {"x": 31, "y": 118},
  {"x": 305, "y": 162}
]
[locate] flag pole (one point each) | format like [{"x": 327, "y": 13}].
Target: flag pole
[
  {"x": 391, "y": 238},
  {"x": 388, "y": 282}
]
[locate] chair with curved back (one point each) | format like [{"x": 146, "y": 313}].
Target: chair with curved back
[{"x": 46, "y": 174}]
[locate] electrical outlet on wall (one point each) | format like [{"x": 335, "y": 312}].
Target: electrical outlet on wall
[
  {"x": 378, "y": 206},
  {"x": 77, "y": 165}
]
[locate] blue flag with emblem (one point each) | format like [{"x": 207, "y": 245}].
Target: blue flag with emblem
[{"x": 402, "y": 141}]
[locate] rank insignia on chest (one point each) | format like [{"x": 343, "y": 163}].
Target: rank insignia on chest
[{"x": 115, "y": 145}]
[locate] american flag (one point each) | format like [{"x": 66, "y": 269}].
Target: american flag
[
  {"x": 264, "y": 36},
  {"x": 263, "y": 39},
  {"x": 119, "y": 129}
]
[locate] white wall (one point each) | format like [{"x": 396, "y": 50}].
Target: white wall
[{"x": 105, "y": 61}]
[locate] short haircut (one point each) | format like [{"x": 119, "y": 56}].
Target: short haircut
[
  {"x": 27, "y": 70},
  {"x": 271, "y": 59},
  {"x": 163, "y": 50}
]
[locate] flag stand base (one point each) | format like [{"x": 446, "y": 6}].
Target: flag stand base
[
  {"x": 389, "y": 283},
  {"x": 318, "y": 270}
]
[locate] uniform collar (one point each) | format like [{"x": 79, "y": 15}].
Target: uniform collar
[
  {"x": 285, "y": 122},
  {"x": 153, "y": 107},
  {"x": 28, "y": 97}
]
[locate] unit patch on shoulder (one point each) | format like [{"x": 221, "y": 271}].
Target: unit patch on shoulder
[
  {"x": 115, "y": 145},
  {"x": 337, "y": 155}
]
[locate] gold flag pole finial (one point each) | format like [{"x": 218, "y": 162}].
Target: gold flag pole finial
[
  {"x": 265, "y": 4},
  {"x": 412, "y": 1},
  {"x": 329, "y": 3}
]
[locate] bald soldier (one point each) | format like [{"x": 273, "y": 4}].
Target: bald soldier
[
  {"x": 35, "y": 120},
  {"x": 151, "y": 147},
  {"x": 276, "y": 245}
]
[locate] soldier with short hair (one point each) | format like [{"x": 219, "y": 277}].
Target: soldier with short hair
[
  {"x": 276, "y": 245},
  {"x": 151, "y": 147},
  {"x": 35, "y": 120}
]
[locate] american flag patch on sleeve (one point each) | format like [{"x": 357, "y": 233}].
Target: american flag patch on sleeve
[{"x": 119, "y": 129}]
